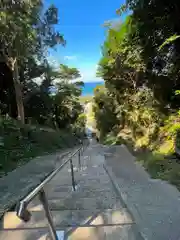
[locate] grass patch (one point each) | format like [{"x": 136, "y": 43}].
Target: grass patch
[{"x": 161, "y": 167}]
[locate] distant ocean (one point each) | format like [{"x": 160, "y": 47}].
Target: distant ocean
[{"x": 89, "y": 87}]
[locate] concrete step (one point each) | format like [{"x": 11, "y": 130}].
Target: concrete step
[
  {"x": 108, "y": 202},
  {"x": 94, "y": 184},
  {"x": 125, "y": 232},
  {"x": 98, "y": 183},
  {"x": 63, "y": 178},
  {"x": 56, "y": 192},
  {"x": 92, "y": 173},
  {"x": 59, "y": 192},
  {"x": 64, "y": 193},
  {"x": 128, "y": 232},
  {"x": 95, "y": 188},
  {"x": 78, "y": 194},
  {"x": 69, "y": 218}
]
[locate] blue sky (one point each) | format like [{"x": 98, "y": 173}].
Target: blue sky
[{"x": 80, "y": 21}]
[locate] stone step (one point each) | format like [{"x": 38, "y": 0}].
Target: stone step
[
  {"x": 95, "y": 184},
  {"x": 64, "y": 177},
  {"x": 80, "y": 194},
  {"x": 63, "y": 198},
  {"x": 98, "y": 183},
  {"x": 128, "y": 232},
  {"x": 94, "y": 173},
  {"x": 124, "y": 232},
  {"x": 95, "y": 188},
  {"x": 83, "y": 186},
  {"x": 64, "y": 193},
  {"x": 108, "y": 202},
  {"x": 69, "y": 218},
  {"x": 61, "y": 188}
]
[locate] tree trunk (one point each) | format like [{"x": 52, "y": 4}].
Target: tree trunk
[
  {"x": 13, "y": 65},
  {"x": 18, "y": 93}
]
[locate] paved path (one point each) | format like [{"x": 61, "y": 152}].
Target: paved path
[
  {"x": 155, "y": 204},
  {"x": 94, "y": 212}
]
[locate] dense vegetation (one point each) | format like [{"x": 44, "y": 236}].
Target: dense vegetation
[
  {"x": 32, "y": 90},
  {"x": 140, "y": 65}
]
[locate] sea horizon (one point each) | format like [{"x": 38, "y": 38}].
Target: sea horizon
[{"x": 88, "y": 89}]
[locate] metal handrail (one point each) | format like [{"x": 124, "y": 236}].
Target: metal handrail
[
  {"x": 22, "y": 211},
  {"x": 34, "y": 192}
]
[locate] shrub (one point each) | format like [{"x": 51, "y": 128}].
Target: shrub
[{"x": 22, "y": 142}]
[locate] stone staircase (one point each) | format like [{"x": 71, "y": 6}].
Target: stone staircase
[{"x": 94, "y": 211}]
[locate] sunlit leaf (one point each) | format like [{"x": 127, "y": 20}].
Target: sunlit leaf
[{"x": 169, "y": 41}]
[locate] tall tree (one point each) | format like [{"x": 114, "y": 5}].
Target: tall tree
[
  {"x": 66, "y": 99},
  {"x": 155, "y": 22},
  {"x": 66, "y": 73},
  {"x": 24, "y": 32}
]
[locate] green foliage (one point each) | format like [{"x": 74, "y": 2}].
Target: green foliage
[
  {"x": 104, "y": 111},
  {"x": 177, "y": 92},
  {"x": 171, "y": 125},
  {"x": 31, "y": 88},
  {"x": 20, "y": 143},
  {"x": 140, "y": 65},
  {"x": 23, "y": 46},
  {"x": 68, "y": 74},
  {"x": 55, "y": 110},
  {"x": 122, "y": 9},
  {"x": 80, "y": 123},
  {"x": 112, "y": 139},
  {"x": 160, "y": 167},
  {"x": 169, "y": 40}
]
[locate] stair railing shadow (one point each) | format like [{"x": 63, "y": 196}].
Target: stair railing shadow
[{"x": 128, "y": 228}]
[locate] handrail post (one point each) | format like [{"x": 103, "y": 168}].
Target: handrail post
[
  {"x": 72, "y": 175},
  {"x": 79, "y": 159},
  {"x": 44, "y": 201},
  {"x": 82, "y": 149}
]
